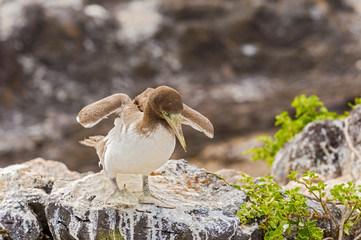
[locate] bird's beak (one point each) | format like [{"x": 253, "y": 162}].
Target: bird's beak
[{"x": 175, "y": 121}]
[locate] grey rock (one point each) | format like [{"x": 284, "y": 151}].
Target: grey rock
[
  {"x": 75, "y": 206},
  {"x": 18, "y": 214},
  {"x": 249, "y": 232},
  {"x": 24, "y": 191},
  {"x": 352, "y": 152},
  {"x": 205, "y": 207},
  {"x": 323, "y": 147},
  {"x": 310, "y": 150},
  {"x": 35, "y": 174}
]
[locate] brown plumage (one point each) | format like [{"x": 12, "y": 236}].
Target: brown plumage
[
  {"x": 190, "y": 116},
  {"x": 95, "y": 112}
]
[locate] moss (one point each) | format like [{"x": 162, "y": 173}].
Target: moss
[{"x": 114, "y": 235}]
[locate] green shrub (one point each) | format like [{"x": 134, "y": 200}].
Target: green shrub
[
  {"x": 308, "y": 109},
  {"x": 282, "y": 213}
]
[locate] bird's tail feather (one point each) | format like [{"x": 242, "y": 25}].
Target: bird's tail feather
[{"x": 91, "y": 141}]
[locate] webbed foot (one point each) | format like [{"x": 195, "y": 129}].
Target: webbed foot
[{"x": 148, "y": 198}]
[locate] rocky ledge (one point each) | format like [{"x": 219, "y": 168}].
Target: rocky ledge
[{"x": 42, "y": 199}]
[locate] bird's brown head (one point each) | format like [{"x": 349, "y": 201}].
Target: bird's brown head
[
  {"x": 166, "y": 99},
  {"x": 167, "y": 104}
]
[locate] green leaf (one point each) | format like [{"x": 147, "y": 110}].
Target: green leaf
[
  {"x": 347, "y": 227},
  {"x": 313, "y": 189}
]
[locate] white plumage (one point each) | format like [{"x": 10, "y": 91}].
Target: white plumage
[{"x": 128, "y": 152}]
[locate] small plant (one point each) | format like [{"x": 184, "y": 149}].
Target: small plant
[
  {"x": 353, "y": 105},
  {"x": 281, "y": 213},
  {"x": 278, "y": 212},
  {"x": 308, "y": 109},
  {"x": 345, "y": 194}
]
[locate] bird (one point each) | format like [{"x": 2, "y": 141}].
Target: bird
[{"x": 143, "y": 137}]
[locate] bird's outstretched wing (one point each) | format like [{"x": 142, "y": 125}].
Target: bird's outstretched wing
[
  {"x": 93, "y": 113},
  {"x": 141, "y": 100},
  {"x": 197, "y": 121}
]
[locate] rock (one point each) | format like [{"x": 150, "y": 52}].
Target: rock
[
  {"x": 24, "y": 190},
  {"x": 18, "y": 214},
  {"x": 76, "y": 207},
  {"x": 310, "y": 150},
  {"x": 205, "y": 207},
  {"x": 352, "y": 158},
  {"x": 35, "y": 174},
  {"x": 51, "y": 169},
  {"x": 324, "y": 148}
]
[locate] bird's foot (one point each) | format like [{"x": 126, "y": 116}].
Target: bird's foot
[
  {"x": 151, "y": 199},
  {"x": 122, "y": 197}
]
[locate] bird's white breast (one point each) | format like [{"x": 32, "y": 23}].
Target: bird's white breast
[{"x": 129, "y": 152}]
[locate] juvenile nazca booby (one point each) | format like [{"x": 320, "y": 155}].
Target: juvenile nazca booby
[{"x": 143, "y": 137}]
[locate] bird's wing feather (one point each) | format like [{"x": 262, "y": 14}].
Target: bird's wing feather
[
  {"x": 197, "y": 121},
  {"x": 142, "y": 99},
  {"x": 93, "y": 113}
]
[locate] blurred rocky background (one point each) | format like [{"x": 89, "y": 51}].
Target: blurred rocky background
[{"x": 239, "y": 62}]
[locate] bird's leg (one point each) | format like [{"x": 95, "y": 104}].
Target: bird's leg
[
  {"x": 148, "y": 198},
  {"x": 122, "y": 196},
  {"x": 115, "y": 186}
]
